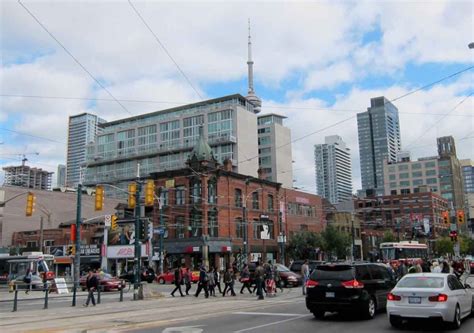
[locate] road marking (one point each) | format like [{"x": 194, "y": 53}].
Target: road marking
[
  {"x": 184, "y": 329},
  {"x": 268, "y": 314},
  {"x": 270, "y": 324}
]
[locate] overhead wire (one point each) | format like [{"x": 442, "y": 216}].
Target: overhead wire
[{"x": 73, "y": 57}]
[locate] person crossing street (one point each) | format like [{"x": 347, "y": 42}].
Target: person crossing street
[
  {"x": 178, "y": 278},
  {"x": 203, "y": 282}
]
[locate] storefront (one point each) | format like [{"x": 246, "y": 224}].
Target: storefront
[{"x": 119, "y": 258}]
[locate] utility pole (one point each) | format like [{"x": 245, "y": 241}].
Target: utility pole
[
  {"x": 41, "y": 235},
  {"x": 244, "y": 215},
  {"x": 162, "y": 253},
  {"x": 281, "y": 239},
  {"x": 77, "y": 256},
  {"x": 352, "y": 237},
  {"x": 137, "y": 251}
]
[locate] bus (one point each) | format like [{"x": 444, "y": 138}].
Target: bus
[
  {"x": 16, "y": 266},
  {"x": 405, "y": 250}
]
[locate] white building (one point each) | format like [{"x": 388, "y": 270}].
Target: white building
[{"x": 333, "y": 169}]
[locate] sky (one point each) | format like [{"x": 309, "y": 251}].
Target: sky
[{"x": 316, "y": 62}]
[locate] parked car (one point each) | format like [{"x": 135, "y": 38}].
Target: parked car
[
  {"x": 107, "y": 282},
  {"x": 296, "y": 265},
  {"x": 288, "y": 278},
  {"x": 168, "y": 277},
  {"x": 430, "y": 296},
  {"x": 147, "y": 275},
  {"x": 360, "y": 288}
]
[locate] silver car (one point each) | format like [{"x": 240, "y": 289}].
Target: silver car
[{"x": 429, "y": 295}]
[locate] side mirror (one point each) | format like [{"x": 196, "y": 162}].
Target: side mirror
[{"x": 467, "y": 286}]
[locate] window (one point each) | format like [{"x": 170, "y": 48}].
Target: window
[
  {"x": 31, "y": 244},
  {"x": 180, "y": 195},
  {"x": 164, "y": 197},
  {"x": 431, "y": 172},
  {"x": 255, "y": 203},
  {"x": 239, "y": 228},
  {"x": 403, "y": 167},
  {"x": 265, "y": 160},
  {"x": 195, "y": 195},
  {"x": 431, "y": 164},
  {"x": 191, "y": 129},
  {"x": 49, "y": 242},
  {"x": 362, "y": 273},
  {"x": 179, "y": 226},
  {"x": 212, "y": 191},
  {"x": 212, "y": 225},
  {"x": 392, "y": 185},
  {"x": 270, "y": 202},
  {"x": 267, "y": 150},
  {"x": 417, "y": 182},
  {"x": 391, "y": 168},
  {"x": 169, "y": 133},
  {"x": 392, "y": 177},
  {"x": 416, "y": 166},
  {"x": 126, "y": 139},
  {"x": 264, "y": 140},
  {"x": 238, "y": 197},
  {"x": 432, "y": 181},
  {"x": 405, "y": 183},
  {"x": 404, "y": 175},
  {"x": 219, "y": 124},
  {"x": 393, "y": 192},
  {"x": 417, "y": 174},
  {"x": 405, "y": 191},
  {"x": 196, "y": 223},
  {"x": 146, "y": 135}
]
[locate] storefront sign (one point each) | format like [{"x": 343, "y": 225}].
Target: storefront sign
[
  {"x": 226, "y": 248},
  {"x": 124, "y": 251},
  {"x": 90, "y": 250},
  {"x": 302, "y": 200},
  {"x": 57, "y": 251}
]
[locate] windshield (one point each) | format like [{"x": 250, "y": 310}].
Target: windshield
[
  {"x": 333, "y": 272},
  {"x": 421, "y": 282},
  {"x": 282, "y": 268},
  {"x": 392, "y": 253}
]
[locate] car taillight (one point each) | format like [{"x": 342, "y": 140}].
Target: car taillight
[
  {"x": 49, "y": 275},
  {"x": 311, "y": 283},
  {"x": 438, "y": 298},
  {"x": 353, "y": 284},
  {"x": 392, "y": 297}
]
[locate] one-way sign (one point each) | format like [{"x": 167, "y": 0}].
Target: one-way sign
[{"x": 159, "y": 231}]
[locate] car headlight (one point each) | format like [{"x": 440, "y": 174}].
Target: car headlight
[{"x": 291, "y": 278}]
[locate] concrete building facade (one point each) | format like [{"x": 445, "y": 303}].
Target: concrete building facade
[
  {"x": 274, "y": 149},
  {"x": 82, "y": 130},
  {"x": 333, "y": 169},
  {"x": 61, "y": 176},
  {"x": 27, "y": 177},
  {"x": 379, "y": 139}
]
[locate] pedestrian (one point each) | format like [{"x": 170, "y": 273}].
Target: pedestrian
[
  {"x": 212, "y": 282},
  {"x": 245, "y": 279},
  {"x": 277, "y": 277},
  {"x": 27, "y": 280},
  {"x": 228, "y": 282},
  {"x": 203, "y": 281},
  {"x": 218, "y": 279},
  {"x": 92, "y": 283},
  {"x": 305, "y": 274},
  {"x": 445, "y": 267},
  {"x": 435, "y": 268},
  {"x": 187, "y": 276},
  {"x": 402, "y": 269},
  {"x": 259, "y": 275},
  {"x": 178, "y": 278}
]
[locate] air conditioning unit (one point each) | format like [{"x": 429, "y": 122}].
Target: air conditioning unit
[{"x": 180, "y": 235}]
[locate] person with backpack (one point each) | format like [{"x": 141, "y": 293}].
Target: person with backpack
[
  {"x": 245, "y": 279},
  {"x": 187, "y": 277},
  {"x": 27, "y": 279},
  {"x": 92, "y": 283},
  {"x": 203, "y": 282},
  {"x": 259, "y": 279},
  {"x": 229, "y": 282},
  {"x": 218, "y": 279},
  {"x": 178, "y": 278}
]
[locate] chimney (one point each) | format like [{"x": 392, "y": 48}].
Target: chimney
[
  {"x": 261, "y": 174},
  {"x": 227, "y": 165}
]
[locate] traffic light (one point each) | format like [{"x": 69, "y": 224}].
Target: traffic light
[
  {"x": 30, "y": 204},
  {"x": 132, "y": 189},
  {"x": 143, "y": 231},
  {"x": 149, "y": 192},
  {"x": 454, "y": 236},
  {"x": 99, "y": 197},
  {"x": 113, "y": 222},
  {"x": 445, "y": 217},
  {"x": 71, "y": 250},
  {"x": 460, "y": 216}
]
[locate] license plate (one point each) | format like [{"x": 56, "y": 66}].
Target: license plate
[
  {"x": 414, "y": 300},
  {"x": 330, "y": 295}
]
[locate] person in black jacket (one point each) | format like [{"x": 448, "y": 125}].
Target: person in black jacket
[
  {"x": 178, "y": 278},
  {"x": 92, "y": 283},
  {"x": 203, "y": 280}
]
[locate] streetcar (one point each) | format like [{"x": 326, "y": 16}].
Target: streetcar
[{"x": 408, "y": 251}]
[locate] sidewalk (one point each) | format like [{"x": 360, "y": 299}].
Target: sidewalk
[{"x": 120, "y": 315}]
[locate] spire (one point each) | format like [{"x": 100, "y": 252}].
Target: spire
[{"x": 251, "y": 97}]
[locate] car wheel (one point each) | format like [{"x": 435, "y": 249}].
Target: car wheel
[
  {"x": 369, "y": 309},
  {"x": 395, "y": 321},
  {"x": 161, "y": 281},
  {"x": 319, "y": 314},
  {"x": 457, "y": 318}
]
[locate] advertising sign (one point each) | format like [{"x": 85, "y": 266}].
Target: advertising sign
[
  {"x": 90, "y": 250},
  {"x": 123, "y": 235},
  {"x": 125, "y": 251}
]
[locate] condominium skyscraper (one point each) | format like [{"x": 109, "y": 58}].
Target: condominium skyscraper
[
  {"x": 468, "y": 175},
  {"x": 379, "y": 139},
  {"x": 274, "y": 149},
  {"x": 61, "y": 177},
  {"x": 82, "y": 130},
  {"x": 333, "y": 169}
]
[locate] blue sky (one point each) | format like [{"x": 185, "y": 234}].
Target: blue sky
[{"x": 307, "y": 56}]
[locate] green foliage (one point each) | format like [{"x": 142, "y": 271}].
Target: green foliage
[
  {"x": 303, "y": 244},
  {"x": 388, "y": 236},
  {"x": 336, "y": 243},
  {"x": 466, "y": 244},
  {"x": 444, "y": 246}
]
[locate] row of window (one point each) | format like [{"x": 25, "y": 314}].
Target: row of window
[
  {"x": 414, "y": 166},
  {"x": 414, "y": 174}
]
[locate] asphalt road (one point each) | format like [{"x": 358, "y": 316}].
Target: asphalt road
[{"x": 285, "y": 317}]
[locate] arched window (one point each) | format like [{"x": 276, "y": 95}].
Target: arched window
[
  {"x": 270, "y": 202},
  {"x": 212, "y": 191},
  {"x": 195, "y": 218},
  {"x": 212, "y": 223},
  {"x": 239, "y": 228},
  {"x": 195, "y": 193},
  {"x": 238, "y": 197}
]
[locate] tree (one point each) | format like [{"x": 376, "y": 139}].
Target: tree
[
  {"x": 303, "y": 245},
  {"x": 336, "y": 243},
  {"x": 466, "y": 245},
  {"x": 388, "y": 236},
  {"x": 444, "y": 246}
]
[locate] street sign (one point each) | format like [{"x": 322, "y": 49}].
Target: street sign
[
  {"x": 159, "y": 231},
  {"x": 108, "y": 220}
]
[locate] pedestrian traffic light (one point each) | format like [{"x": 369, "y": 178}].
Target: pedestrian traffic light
[
  {"x": 71, "y": 250},
  {"x": 143, "y": 231},
  {"x": 454, "y": 235},
  {"x": 445, "y": 217},
  {"x": 132, "y": 190},
  {"x": 149, "y": 192},
  {"x": 113, "y": 222},
  {"x": 30, "y": 204},
  {"x": 460, "y": 216},
  {"x": 99, "y": 197}
]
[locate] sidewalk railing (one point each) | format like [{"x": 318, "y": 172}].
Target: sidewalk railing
[{"x": 50, "y": 288}]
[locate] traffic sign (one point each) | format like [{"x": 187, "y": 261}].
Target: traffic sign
[
  {"x": 159, "y": 231},
  {"x": 108, "y": 220}
]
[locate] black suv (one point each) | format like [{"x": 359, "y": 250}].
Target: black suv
[{"x": 359, "y": 288}]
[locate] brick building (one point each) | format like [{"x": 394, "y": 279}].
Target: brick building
[{"x": 207, "y": 210}]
